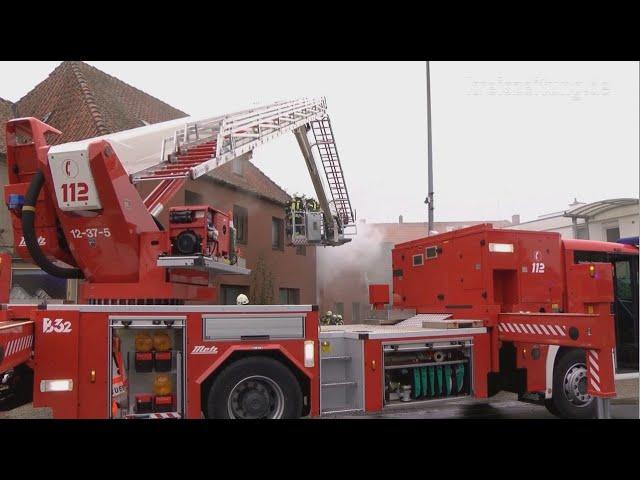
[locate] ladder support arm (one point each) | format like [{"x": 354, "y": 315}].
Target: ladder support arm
[{"x": 305, "y": 148}]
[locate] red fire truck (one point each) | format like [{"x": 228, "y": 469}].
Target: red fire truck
[{"x": 474, "y": 311}]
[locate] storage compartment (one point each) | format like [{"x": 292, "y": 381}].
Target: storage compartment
[
  {"x": 150, "y": 352},
  {"x": 341, "y": 374},
  {"x": 427, "y": 371}
]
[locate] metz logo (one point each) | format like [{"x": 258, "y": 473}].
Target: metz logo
[
  {"x": 202, "y": 350},
  {"x": 41, "y": 241}
]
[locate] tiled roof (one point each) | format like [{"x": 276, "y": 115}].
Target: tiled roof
[
  {"x": 252, "y": 179},
  {"x": 6, "y": 112},
  {"x": 404, "y": 232},
  {"x": 83, "y": 102}
]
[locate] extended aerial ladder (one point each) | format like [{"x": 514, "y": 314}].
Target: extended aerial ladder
[{"x": 196, "y": 147}]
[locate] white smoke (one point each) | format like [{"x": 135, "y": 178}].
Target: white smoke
[{"x": 344, "y": 273}]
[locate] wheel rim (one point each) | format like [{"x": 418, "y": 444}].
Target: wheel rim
[
  {"x": 575, "y": 385},
  {"x": 256, "y": 397}
]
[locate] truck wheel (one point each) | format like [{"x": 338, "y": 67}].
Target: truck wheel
[
  {"x": 570, "y": 398},
  {"x": 255, "y": 387}
]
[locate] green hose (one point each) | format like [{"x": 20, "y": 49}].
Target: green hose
[
  {"x": 416, "y": 383},
  {"x": 448, "y": 380},
  {"x": 425, "y": 386},
  {"x": 460, "y": 376}
]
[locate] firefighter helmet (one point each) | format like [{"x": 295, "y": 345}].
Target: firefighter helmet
[{"x": 242, "y": 299}]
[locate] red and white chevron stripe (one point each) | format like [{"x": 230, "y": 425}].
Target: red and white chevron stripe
[
  {"x": 533, "y": 329},
  {"x": 18, "y": 344},
  {"x": 594, "y": 365},
  {"x": 165, "y": 415}
]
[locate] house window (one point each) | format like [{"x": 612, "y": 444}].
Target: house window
[
  {"x": 229, "y": 293},
  {"x": 582, "y": 232},
  {"x": 289, "y": 296},
  {"x": 241, "y": 224},
  {"x": 613, "y": 234},
  {"x": 192, "y": 198},
  {"x": 47, "y": 117},
  {"x": 355, "y": 312},
  {"x": 339, "y": 309},
  {"x": 301, "y": 250},
  {"x": 277, "y": 233}
]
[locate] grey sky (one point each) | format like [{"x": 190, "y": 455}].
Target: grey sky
[{"x": 509, "y": 137}]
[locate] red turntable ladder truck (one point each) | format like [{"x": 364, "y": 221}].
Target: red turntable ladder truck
[
  {"x": 145, "y": 340},
  {"x": 473, "y": 312}
]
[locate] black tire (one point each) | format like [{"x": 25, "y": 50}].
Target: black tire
[
  {"x": 255, "y": 387},
  {"x": 564, "y": 404}
]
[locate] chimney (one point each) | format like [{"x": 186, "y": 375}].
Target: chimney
[
  {"x": 515, "y": 219},
  {"x": 400, "y": 219}
]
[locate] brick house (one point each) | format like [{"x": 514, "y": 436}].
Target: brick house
[{"x": 82, "y": 102}]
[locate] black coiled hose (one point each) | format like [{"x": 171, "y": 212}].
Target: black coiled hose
[{"x": 30, "y": 237}]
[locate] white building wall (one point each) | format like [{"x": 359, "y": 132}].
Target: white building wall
[{"x": 626, "y": 218}]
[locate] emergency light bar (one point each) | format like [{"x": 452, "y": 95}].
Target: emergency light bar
[{"x": 634, "y": 241}]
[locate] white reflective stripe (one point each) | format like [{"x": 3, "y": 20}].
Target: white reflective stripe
[
  {"x": 595, "y": 385},
  {"x": 594, "y": 364},
  {"x": 511, "y": 328},
  {"x": 551, "y": 329},
  {"x": 546, "y": 332},
  {"x": 12, "y": 344},
  {"x": 594, "y": 353},
  {"x": 561, "y": 330},
  {"x": 30, "y": 340},
  {"x": 500, "y": 327},
  {"x": 524, "y": 329},
  {"x": 596, "y": 376},
  {"x": 23, "y": 343},
  {"x": 515, "y": 325},
  {"x": 537, "y": 329},
  {"x": 531, "y": 329}
]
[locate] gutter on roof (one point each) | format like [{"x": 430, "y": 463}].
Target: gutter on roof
[{"x": 244, "y": 190}]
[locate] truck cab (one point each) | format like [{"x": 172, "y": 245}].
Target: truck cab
[{"x": 624, "y": 259}]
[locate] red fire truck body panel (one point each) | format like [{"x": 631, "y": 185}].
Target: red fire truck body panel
[
  {"x": 373, "y": 365},
  {"x": 73, "y": 346},
  {"x": 458, "y": 272}
]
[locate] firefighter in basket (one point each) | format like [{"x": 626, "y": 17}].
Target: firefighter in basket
[{"x": 295, "y": 212}]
